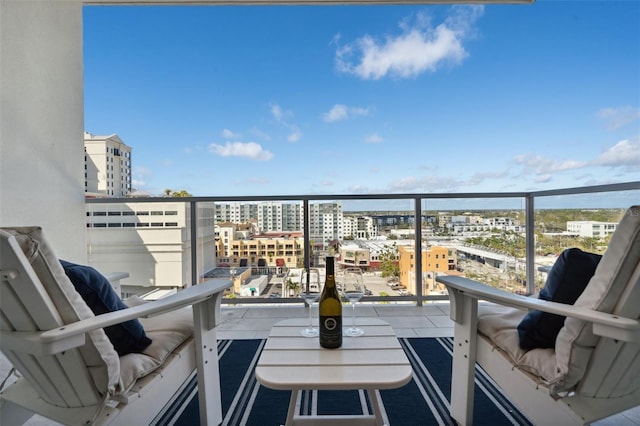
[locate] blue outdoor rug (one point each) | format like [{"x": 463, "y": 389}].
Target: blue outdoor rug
[{"x": 423, "y": 401}]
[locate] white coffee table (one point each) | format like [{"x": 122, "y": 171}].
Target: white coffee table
[{"x": 373, "y": 361}]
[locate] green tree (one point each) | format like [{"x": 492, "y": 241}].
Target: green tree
[
  {"x": 389, "y": 261},
  {"x": 177, "y": 194}
]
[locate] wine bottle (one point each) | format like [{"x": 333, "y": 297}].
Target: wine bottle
[{"x": 330, "y": 310}]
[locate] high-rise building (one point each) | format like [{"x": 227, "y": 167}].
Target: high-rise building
[
  {"x": 107, "y": 166},
  {"x": 325, "y": 222},
  {"x": 152, "y": 242},
  {"x": 325, "y": 219}
]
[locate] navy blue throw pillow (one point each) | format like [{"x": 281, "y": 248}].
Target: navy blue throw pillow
[
  {"x": 566, "y": 281},
  {"x": 96, "y": 291}
]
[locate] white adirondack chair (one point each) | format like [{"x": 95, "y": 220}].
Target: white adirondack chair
[
  {"x": 71, "y": 372},
  {"x": 593, "y": 371}
]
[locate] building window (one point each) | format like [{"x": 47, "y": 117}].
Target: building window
[
  {"x": 128, "y": 213},
  {"x": 142, "y": 213},
  {"x": 156, "y": 213},
  {"x": 115, "y": 225},
  {"x": 128, "y": 225},
  {"x": 99, "y": 213},
  {"x": 171, "y": 213},
  {"x": 156, "y": 223},
  {"x": 142, "y": 225},
  {"x": 114, "y": 214},
  {"x": 171, "y": 224}
]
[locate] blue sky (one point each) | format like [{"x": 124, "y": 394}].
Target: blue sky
[{"x": 386, "y": 99}]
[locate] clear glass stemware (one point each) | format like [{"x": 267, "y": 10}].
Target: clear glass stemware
[
  {"x": 353, "y": 290},
  {"x": 309, "y": 299},
  {"x": 310, "y": 295}
]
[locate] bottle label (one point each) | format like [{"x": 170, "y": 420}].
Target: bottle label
[{"x": 331, "y": 331}]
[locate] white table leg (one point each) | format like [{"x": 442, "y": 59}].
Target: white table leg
[
  {"x": 294, "y": 406},
  {"x": 374, "y": 397}
]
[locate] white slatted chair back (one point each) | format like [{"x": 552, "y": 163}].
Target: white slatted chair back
[
  {"x": 614, "y": 368},
  {"x": 600, "y": 366},
  {"x": 36, "y": 295}
]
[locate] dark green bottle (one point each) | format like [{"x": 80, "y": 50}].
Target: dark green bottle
[{"x": 330, "y": 309}]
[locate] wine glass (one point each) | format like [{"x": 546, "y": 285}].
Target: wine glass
[
  {"x": 353, "y": 290},
  {"x": 309, "y": 298},
  {"x": 311, "y": 295}
]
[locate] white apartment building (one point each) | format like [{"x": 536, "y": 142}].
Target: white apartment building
[
  {"x": 359, "y": 227},
  {"x": 236, "y": 212},
  {"x": 107, "y": 166},
  {"x": 325, "y": 219},
  {"x": 590, "y": 228},
  {"x": 326, "y": 223},
  {"x": 499, "y": 222},
  {"x": 276, "y": 216},
  {"x": 151, "y": 241}
]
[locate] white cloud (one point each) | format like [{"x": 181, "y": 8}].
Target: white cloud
[
  {"x": 341, "y": 112},
  {"x": 295, "y": 134},
  {"x": 281, "y": 116},
  {"x": 228, "y": 134},
  {"x": 259, "y": 133},
  {"x": 543, "y": 166},
  {"x": 373, "y": 138},
  {"x": 278, "y": 113},
  {"x": 618, "y": 117},
  {"x": 424, "y": 184},
  {"x": 419, "y": 48},
  {"x": 624, "y": 153},
  {"x": 250, "y": 150}
]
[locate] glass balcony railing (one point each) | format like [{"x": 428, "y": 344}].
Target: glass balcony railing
[{"x": 400, "y": 242}]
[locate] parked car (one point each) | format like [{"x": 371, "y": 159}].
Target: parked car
[{"x": 274, "y": 296}]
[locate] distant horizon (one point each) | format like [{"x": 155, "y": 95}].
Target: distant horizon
[
  {"x": 625, "y": 199},
  {"x": 264, "y": 100}
]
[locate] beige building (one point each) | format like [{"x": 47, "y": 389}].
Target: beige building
[
  {"x": 435, "y": 260},
  {"x": 151, "y": 241},
  {"x": 237, "y": 245},
  {"x": 107, "y": 166}
]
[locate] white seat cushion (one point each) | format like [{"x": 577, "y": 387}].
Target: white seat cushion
[
  {"x": 167, "y": 332},
  {"x": 499, "y": 324}
]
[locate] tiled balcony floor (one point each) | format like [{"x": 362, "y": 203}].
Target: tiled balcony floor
[{"x": 430, "y": 320}]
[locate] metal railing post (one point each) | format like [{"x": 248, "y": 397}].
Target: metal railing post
[
  {"x": 418, "y": 249},
  {"x": 193, "y": 214},
  {"x": 530, "y": 244},
  {"x": 307, "y": 247}
]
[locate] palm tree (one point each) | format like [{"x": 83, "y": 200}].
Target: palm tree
[{"x": 292, "y": 286}]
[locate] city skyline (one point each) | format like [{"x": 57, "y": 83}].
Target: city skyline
[{"x": 356, "y": 100}]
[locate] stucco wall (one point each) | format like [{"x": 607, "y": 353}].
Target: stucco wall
[{"x": 41, "y": 121}]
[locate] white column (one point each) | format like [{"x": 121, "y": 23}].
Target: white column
[{"x": 41, "y": 121}]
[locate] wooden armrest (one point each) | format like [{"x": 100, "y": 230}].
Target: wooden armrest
[
  {"x": 73, "y": 335},
  {"x": 604, "y": 324}
]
